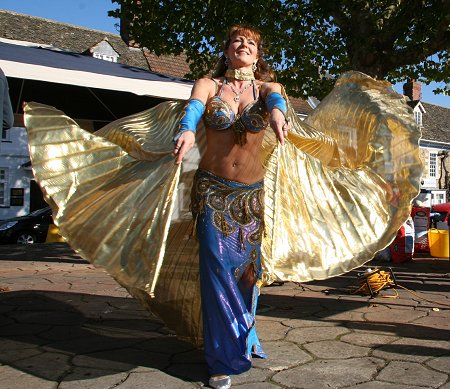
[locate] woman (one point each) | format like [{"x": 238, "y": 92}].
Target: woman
[
  {"x": 227, "y": 196},
  {"x": 336, "y": 190}
]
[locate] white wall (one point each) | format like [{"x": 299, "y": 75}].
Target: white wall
[{"x": 13, "y": 154}]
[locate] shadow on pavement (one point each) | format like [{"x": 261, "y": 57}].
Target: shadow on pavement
[
  {"x": 64, "y": 337},
  {"x": 421, "y": 274},
  {"x": 40, "y": 252},
  {"x": 73, "y": 336}
]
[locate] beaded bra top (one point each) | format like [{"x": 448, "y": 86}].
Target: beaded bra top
[{"x": 220, "y": 116}]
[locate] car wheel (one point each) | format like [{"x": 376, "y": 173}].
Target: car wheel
[{"x": 26, "y": 238}]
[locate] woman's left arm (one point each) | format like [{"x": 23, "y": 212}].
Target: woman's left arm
[{"x": 277, "y": 107}]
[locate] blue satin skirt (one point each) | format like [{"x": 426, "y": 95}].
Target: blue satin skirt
[{"x": 229, "y": 227}]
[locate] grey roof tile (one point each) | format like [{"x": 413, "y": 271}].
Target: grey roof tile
[
  {"x": 65, "y": 36},
  {"x": 436, "y": 123}
]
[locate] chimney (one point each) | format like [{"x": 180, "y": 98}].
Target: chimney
[{"x": 413, "y": 90}]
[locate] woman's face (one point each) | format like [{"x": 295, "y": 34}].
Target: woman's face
[{"x": 242, "y": 51}]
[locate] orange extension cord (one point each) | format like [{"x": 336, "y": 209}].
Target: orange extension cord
[{"x": 373, "y": 281}]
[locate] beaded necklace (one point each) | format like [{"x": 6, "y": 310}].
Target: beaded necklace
[{"x": 239, "y": 93}]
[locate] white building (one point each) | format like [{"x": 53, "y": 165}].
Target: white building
[{"x": 16, "y": 177}]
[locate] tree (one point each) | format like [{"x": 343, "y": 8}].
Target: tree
[{"x": 310, "y": 42}]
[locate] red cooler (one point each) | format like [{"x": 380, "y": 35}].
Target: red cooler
[
  {"x": 421, "y": 219},
  {"x": 402, "y": 248}
]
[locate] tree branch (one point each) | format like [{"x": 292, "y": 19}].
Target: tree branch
[
  {"x": 394, "y": 23},
  {"x": 418, "y": 52}
]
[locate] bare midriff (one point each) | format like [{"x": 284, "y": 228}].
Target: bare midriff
[{"x": 233, "y": 162}]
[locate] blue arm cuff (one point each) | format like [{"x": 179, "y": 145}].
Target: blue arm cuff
[
  {"x": 192, "y": 114},
  {"x": 275, "y": 100}
]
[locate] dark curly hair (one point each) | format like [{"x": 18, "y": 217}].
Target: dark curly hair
[{"x": 263, "y": 71}]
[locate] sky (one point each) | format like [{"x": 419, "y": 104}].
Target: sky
[{"x": 94, "y": 14}]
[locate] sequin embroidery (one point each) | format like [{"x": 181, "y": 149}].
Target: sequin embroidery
[{"x": 232, "y": 208}]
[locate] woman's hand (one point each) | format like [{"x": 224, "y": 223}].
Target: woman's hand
[
  {"x": 277, "y": 118},
  {"x": 279, "y": 124},
  {"x": 183, "y": 145}
]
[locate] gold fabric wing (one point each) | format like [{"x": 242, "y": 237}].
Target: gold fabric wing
[
  {"x": 335, "y": 194},
  {"x": 107, "y": 203},
  {"x": 114, "y": 198},
  {"x": 337, "y": 198}
]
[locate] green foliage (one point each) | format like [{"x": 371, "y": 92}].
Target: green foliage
[{"x": 307, "y": 40}]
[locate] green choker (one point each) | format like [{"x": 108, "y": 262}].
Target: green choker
[{"x": 244, "y": 75}]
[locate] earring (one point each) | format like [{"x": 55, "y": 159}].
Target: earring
[
  {"x": 254, "y": 68},
  {"x": 227, "y": 62}
]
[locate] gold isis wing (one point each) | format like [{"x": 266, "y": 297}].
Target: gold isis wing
[{"x": 335, "y": 193}]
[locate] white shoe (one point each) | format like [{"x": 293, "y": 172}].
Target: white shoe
[{"x": 220, "y": 382}]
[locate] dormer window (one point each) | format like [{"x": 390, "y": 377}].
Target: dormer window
[
  {"x": 103, "y": 50},
  {"x": 418, "y": 117},
  {"x": 418, "y": 110}
]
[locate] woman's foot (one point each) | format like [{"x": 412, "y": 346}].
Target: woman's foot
[{"x": 220, "y": 382}]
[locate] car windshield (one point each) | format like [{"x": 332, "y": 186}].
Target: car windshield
[{"x": 39, "y": 211}]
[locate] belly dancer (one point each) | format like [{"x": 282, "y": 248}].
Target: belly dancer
[{"x": 236, "y": 105}]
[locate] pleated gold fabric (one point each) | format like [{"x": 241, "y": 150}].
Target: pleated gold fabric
[
  {"x": 114, "y": 198},
  {"x": 335, "y": 194},
  {"x": 331, "y": 207}
]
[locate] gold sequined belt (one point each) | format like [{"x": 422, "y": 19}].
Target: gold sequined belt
[{"x": 234, "y": 205}]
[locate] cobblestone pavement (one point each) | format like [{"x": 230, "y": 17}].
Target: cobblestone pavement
[{"x": 66, "y": 324}]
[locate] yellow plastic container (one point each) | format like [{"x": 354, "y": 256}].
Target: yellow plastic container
[
  {"x": 438, "y": 241},
  {"x": 53, "y": 234}
]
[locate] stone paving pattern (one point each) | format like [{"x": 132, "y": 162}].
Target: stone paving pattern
[{"x": 66, "y": 324}]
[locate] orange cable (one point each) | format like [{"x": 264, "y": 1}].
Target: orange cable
[{"x": 379, "y": 280}]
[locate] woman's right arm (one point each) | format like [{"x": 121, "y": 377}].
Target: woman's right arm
[
  {"x": 276, "y": 104},
  {"x": 201, "y": 91}
]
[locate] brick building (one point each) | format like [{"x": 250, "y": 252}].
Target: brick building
[{"x": 434, "y": 122}]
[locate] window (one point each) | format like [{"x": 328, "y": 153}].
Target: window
[
  {"x": 437, "y": 197},
  {"x": 348, "y": 137},
  {"x": 5, "y": 135},
  {"x": 103, "y": 50},
  {"x": 17, "y": 196},
  {"x": 418, "y": 117},
  {"x": 105, "y": 57},
  {"x": 3, "y": 185},
  {"x": 432, "y": 172}
]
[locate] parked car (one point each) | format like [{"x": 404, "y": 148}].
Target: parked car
[{"x": 28, "y": 229}]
